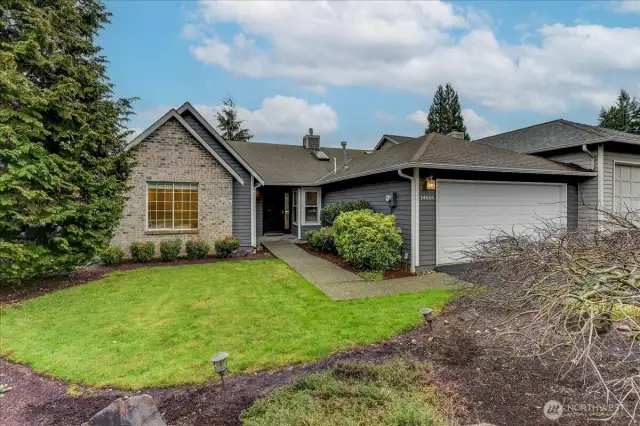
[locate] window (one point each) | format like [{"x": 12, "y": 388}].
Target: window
[
  {"x": 295, "y": 206},
  {"x": 311, "y": 206},
  {"x": 172, "y": 206}
]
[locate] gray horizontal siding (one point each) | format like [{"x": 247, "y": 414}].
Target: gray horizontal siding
[
  {"x": 616, "y": 153},
  {"x": 241, "y": 220},
  {"x": 374, "y": 193},
  {"x": 587, "y": 196}
]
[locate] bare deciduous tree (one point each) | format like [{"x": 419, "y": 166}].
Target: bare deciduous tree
[{"x": 574, "y": 296}]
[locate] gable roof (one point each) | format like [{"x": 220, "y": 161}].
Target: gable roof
[
  {"x": 444, "y": 152},
  {"x": 282, "y": 164},
  {"x": 188, "y": 107},
  {"x": 557, "y": 134},
  {"x": 173, "y": 114},
  {"x": 394, "y": 139}
]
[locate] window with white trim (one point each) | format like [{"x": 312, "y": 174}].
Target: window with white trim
[
  {"x": 172, "y": 206},
  {"x": 311, "y": 209},
  {"x": 295, "y": 206}
]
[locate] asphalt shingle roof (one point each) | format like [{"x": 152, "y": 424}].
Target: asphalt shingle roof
[
  {"x": 398, "y": 138},
  {"x": 280, "y": 164},
  {"x": 438, "y": 151},
  {"x": 556, "y": 134}
]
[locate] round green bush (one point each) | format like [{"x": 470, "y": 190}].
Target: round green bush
[
  {"x": 321, "y": 240},
  {"x": 226, "y": 246},
  {"x": 368, "y": 240},
  {"x": 142, "y": 252},
  {"x": 197, "y": 249},
  {"x": 170, "y": 249},
  {"x": 330, "y": 212},
  {"x": 112, "y": 256}
]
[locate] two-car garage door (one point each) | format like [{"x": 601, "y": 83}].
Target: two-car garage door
[{"x": 469, "y": 211}]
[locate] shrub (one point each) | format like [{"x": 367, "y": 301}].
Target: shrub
[
  {"x": 226, "y": 246},
  {"x": 330, "y": 212},
  {"x": 371, "y": 275},
  {"x": 142, "y": 252},
  {"x": 368, "y": 240},
  {"x": 170, "y": 249},
  {"x": 197, "y": 249},
  {"x": 322, "y": 240},
  {"x": 112, "y": 256}
]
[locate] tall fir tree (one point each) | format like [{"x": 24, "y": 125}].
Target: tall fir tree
[
  {"x": 445, "y": 113},
  {"x": 624, "y": 116},
  {"x": 229, "y": 123},
  {"x": 63, "y": 169}
]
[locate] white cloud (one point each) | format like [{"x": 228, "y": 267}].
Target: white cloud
[
  {"x": 277, "y": 117},
  {"x": 384, "y": 116},
  {"x": 598, "y": 98},
  {"x": 410, "y": 46},
  {"x": 191, "y": 31},
  {"x": 419, "y": 117},
  {"x": 477, "y": 126},
  {"x": 628, "y": 6}
]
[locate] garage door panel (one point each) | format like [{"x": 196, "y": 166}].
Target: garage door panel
[
  {"x": 627, "y": 187},
  {"x": 471, "y": 211}
]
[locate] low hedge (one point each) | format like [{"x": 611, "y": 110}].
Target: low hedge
[
  {"x": 368, "y": 240},
  {"x": 330, "y": 212},
  {"x": 197, "y": 249},
  {"x": 226, "y": 246},
  {"x": 112, "y": 256},
  {"x": 170, "y": 249},
  {"x": 321, "y": 240},
  {"x": 142, "y": 252}
]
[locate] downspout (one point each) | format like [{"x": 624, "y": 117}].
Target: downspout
[
  {"x": 254, "y": 237},
  {"x": 593, "y": 157},
  {"x": 413, "y": 222},
  {"x": 600, "y": 184}
]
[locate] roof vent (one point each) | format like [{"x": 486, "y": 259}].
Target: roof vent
[
  {"x": 456, "y": 134},
  {"x": 311, "y": 141},
  {"x": 320, "y": 155}
]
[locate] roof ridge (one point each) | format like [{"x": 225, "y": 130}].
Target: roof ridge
[
  {"x": 576, "y": 125},
  {"x": 517, "y": 130},
  {"x": 296, "y": 146},
  {"x": 424, "y": 146}
]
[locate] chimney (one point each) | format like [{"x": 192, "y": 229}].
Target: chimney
[
  {"x": 345, "y": 158},
  {"x": 456, "y": 134},
  {"x": 311, "y": 141}
]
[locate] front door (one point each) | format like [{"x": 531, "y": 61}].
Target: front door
[{"x": 276, "y": 211}]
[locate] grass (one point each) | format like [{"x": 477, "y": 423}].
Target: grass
[
  {"x": 395, "y": 393},
  {"x": 159, "y": 326},
  {"x": 371, "y": 275}
]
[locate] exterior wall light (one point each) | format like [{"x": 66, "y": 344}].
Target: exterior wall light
[
  {"x": 219, "y": 362},
  {"x": 427, "y": 313},
  {"x": 430, "y": 184}
]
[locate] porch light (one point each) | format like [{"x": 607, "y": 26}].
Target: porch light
[
  {"x": 430, "y": 184},
  {"x": 427, "y": 313},
  {"x": 219, "y": 362}
]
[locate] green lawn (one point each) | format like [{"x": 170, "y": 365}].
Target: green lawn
[{"x": 160, "y": 326}]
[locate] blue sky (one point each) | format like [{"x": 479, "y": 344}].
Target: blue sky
[{"x": 354, "y": 71}]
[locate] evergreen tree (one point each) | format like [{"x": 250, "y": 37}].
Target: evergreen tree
[
  {"x": 623, "y": 116},
  {"x": 63, "y": 170},
  {"x": 445, "y": 113},
  {"x": 229, "y": 123}
]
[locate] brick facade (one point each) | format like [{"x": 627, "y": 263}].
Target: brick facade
[{"x": 172, "y": 154}]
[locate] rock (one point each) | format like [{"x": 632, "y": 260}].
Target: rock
[
  {"x": 239, "y": 253},
  {"x": 446, "y": 322},
  {"x": 482, "y": 424},
  {"x": 624, "y": 328},
  {"x": 135, "y": 411}
]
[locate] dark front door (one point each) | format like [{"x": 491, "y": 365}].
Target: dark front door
[{"x": 276, "y": 205}]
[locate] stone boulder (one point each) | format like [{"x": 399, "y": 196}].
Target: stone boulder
[
  {"x": 239, "y": 253},
  {"x": 134, "y": 411}
]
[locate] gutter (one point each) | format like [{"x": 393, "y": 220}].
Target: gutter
[{"x": 414, "y": 217}]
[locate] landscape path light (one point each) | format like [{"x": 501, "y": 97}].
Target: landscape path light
[
  {"x": 219, "y": 362},
  {"x": 427, "y": 313}
]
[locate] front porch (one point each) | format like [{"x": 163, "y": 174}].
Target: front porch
[{"x": 287, "y": 211}]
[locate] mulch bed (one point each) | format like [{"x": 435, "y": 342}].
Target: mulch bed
[
  {"x": 488, "y": 385},
  {"x": 11, "y": 295},
  {"x": 336, "y": 260}
]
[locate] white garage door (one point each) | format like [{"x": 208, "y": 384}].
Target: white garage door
[
  {"x": 627, "y": 187},
  {"x": 469, "y": 211}
]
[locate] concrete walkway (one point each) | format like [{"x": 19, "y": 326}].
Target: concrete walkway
[{"x": 340, "y": 284}]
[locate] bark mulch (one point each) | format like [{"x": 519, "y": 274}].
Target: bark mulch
[
  {"x": 12, "y": 295},
  {"x": 471, "y": 365},
  {"x": 389, "y": 274}
]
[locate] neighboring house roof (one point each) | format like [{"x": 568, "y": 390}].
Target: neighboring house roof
[
  {"x": 394, "y": 139},
  {"x": 444, "y": 152},
  {"x": 556, "y": 134},
  {"x": 173, "y": 114},
  {"x": 290, "y": 164}
]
